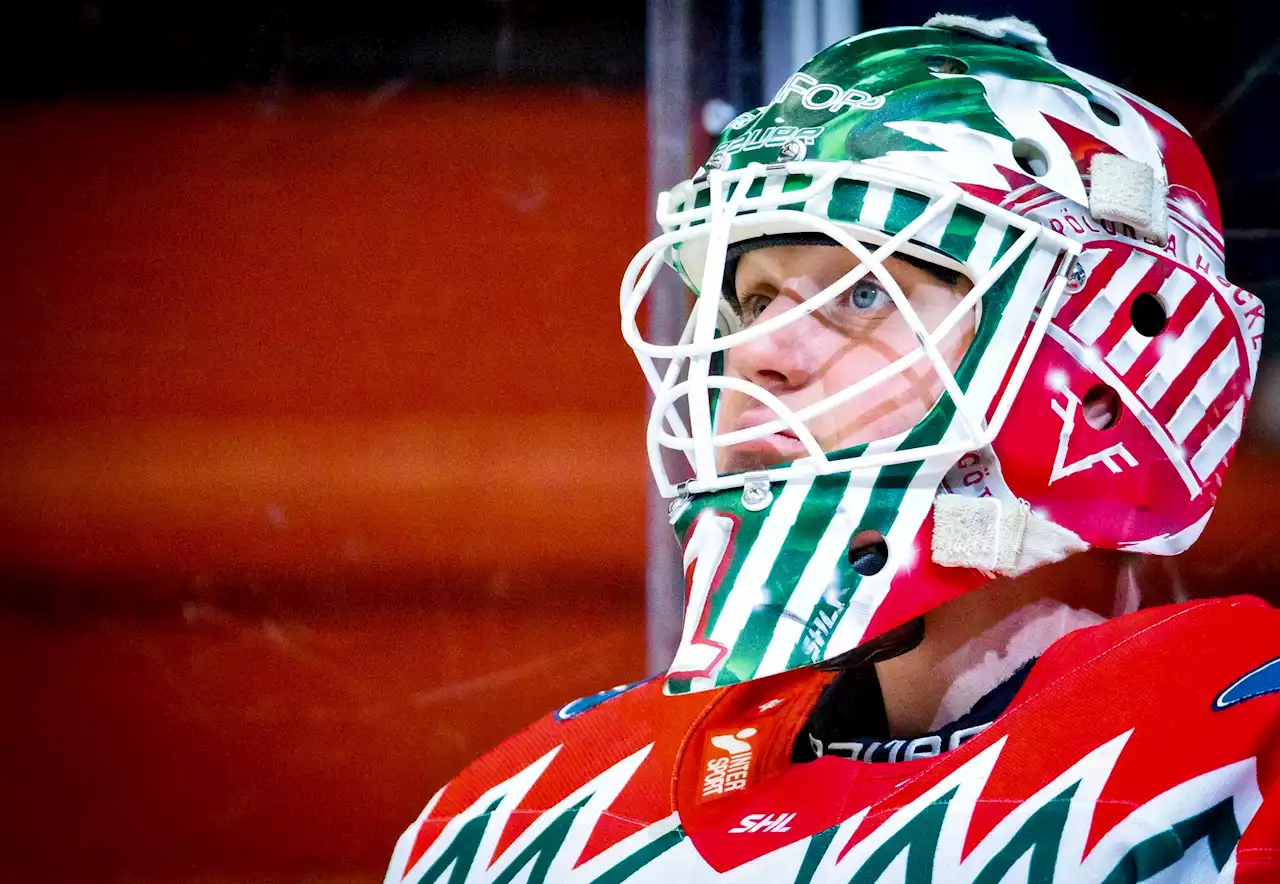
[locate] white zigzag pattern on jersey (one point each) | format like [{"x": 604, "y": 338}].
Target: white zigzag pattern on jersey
[
  {"x": 1091, "y": 772},
  {"x": 595, "y": 796},
  {"x": 1237, "y": 781}
]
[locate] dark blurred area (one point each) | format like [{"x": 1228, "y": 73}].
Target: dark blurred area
[
  {"x": 323, "y": 455},
  {"x": 63, "y": 49}
]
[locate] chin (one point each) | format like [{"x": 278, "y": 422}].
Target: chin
[{"x": 762, "y": 454}]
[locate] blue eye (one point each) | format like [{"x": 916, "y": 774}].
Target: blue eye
[
  {"x": 751, "y": 306},
  {"x": 867, "y": 295}
]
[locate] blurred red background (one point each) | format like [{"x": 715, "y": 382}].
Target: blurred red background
[{"x": 323, "y": 467}]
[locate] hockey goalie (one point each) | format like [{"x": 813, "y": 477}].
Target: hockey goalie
[{"x": 960, "y": 356}]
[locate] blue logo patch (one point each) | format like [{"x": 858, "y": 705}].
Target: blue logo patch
[
  {"x": 1263, "y": 680},
  {"x": 577, "y": 707}
]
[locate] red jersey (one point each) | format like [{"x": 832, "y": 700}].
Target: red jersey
[{"x": 1146, "y": 748}]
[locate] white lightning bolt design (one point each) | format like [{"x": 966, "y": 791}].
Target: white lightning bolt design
[{"x": 1042, "y": 838}]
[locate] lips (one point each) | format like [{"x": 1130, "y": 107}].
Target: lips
[
  {"x": 764, "y": 452},
  {"x": 758, "y": 418}
]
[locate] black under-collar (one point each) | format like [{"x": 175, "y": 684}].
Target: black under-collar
[{"x": 849, "y": 720}]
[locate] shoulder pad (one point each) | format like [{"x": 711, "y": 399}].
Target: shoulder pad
[{"x": 600, "y": 766}]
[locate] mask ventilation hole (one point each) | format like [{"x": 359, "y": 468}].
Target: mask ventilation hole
[
  {"x": 1104, "y": 113},
  {"x": 945, "y": 64},
  {"x": 1101, "y": 407},
  {"x": 1030, "y": 157},
  {"x": 868, "y": 553},
  {"x": 1148, "y": 315}
]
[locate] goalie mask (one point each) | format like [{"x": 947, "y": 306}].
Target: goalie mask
[{"x": 956, "y": 311}]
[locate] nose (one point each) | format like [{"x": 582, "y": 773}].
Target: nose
[{"x": 784, "y": 360}]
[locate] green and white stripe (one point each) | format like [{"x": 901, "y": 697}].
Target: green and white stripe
[{"x": 870, "y": 207}]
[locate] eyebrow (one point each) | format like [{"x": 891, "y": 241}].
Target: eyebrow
[
  {"x": 942, "y": 274},
  {"x": 945, "y": 275}
]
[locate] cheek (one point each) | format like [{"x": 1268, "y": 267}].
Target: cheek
[
  {"x": 729, "y": 404},
  {"x": 854, "y": 360},
  {"x": 893, "y": 406},
  {"x": 956, "y": 344},
  {"x": 851, "y": 367},
  {"x": 732, "y": 367}
]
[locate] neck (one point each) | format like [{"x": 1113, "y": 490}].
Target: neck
[{"x": 974, "y": 642}]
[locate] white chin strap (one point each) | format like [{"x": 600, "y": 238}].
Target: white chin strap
[{"x": 1002, "y": 538}]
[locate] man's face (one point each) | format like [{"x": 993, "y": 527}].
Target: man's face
[{"x": 837, "y": 345}]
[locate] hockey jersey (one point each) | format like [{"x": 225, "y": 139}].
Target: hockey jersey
[{"x": 1146, "y": 748}]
